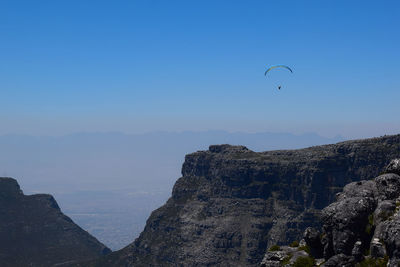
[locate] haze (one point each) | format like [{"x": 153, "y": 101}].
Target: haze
[
  {"x": 110, "y": 182},
  {"x": 101, "y": 100}
]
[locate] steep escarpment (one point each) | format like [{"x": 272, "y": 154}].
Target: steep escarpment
[
  {"x": 34, "y": 232},
  {"x": 232, "y": 203}
]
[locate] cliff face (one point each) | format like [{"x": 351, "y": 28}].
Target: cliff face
[
  {"x": 233, "y": 203},
  {"x": 361, "y": 228},
  {"x": 34, "y": 232}
]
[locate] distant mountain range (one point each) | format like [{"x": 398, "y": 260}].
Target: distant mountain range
[
  {"x": 99, "y": 177},
  {"x": 88, "y": 161}
]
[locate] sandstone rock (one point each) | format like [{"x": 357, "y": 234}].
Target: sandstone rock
[
  {"x": 274, "y": 258},
  {"x": 389, "y": 234},
  {"x": 364, "y": 189},
  {"x": 377, "y": 249},
  {"x": 357, "y": 252},
  {"x": 345, "y": 222},
  {"x": 341, "y": 260},
  {"x": 365, "y": 216},
  {"x": 388, "y": 186},
  {"x": 393, "y": 167},
  {"x": 232, "y": 203},
  {"x": 286, "y": 256},
  {"x": 384, "y": 210}
]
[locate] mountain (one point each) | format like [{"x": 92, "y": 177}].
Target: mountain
[
  {"x": 34, "y": 231},
  {"x": 361, "y": 228},
  {"x": 104, "y": 161},
  {"x": 99, "y": 178},
  {"x": 231, "y": 203}
]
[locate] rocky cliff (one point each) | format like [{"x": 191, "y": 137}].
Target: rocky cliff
[
  {"x": 232, "y": 203},
  {"x": 361, "y": 228},
  {"x": 34, "y": 232}
]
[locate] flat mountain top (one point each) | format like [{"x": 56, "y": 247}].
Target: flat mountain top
[{"x": 231, "y": 203}]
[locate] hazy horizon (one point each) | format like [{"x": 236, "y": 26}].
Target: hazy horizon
[
  {"x": 47, "y": 154},
  {"x": 363, "y": 131},
  {"x": 110, "y": 182}
]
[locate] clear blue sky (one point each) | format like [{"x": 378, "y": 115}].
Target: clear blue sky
[{"x": 138, "y": 66}]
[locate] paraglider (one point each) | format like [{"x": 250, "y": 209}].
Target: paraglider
[{"x": 278, "y": 66}]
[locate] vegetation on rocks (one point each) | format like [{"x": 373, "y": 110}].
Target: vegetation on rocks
[
  {"x": 274, "y": 248},
  {"x": 373, "y": 262},
  {"x": 305, "y": 248},
  {"x": 304, "y": 262}
]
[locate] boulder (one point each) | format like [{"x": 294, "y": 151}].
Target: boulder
[
  {"x": 377, "y": 249},
  {"x": 340, "y": 260},
  {"x": 357, "y": 252},
  {"x": 388, "y": 186},
  {"x": 393, "y": 167}
]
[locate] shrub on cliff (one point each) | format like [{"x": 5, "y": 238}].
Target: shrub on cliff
[{"x": 304, "y": 262}]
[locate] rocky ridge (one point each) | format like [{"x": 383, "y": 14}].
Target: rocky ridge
[
  {"x": 231, "y": 203},
  {"x": 34, "y": 231}
]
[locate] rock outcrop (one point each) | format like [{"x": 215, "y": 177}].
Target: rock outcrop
[
  {"x": 231, "y": 204},
  {"x": 34, "y": 232},
  {"x": 362, "y": 228}
]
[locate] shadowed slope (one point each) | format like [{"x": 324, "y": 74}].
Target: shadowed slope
[{"x": 34, "y": 232}]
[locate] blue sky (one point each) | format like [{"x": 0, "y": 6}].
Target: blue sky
[{"x": 139, "y": 66}]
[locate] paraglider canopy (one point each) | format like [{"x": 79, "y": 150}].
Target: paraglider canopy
[{"x": 278, "y": 66}]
